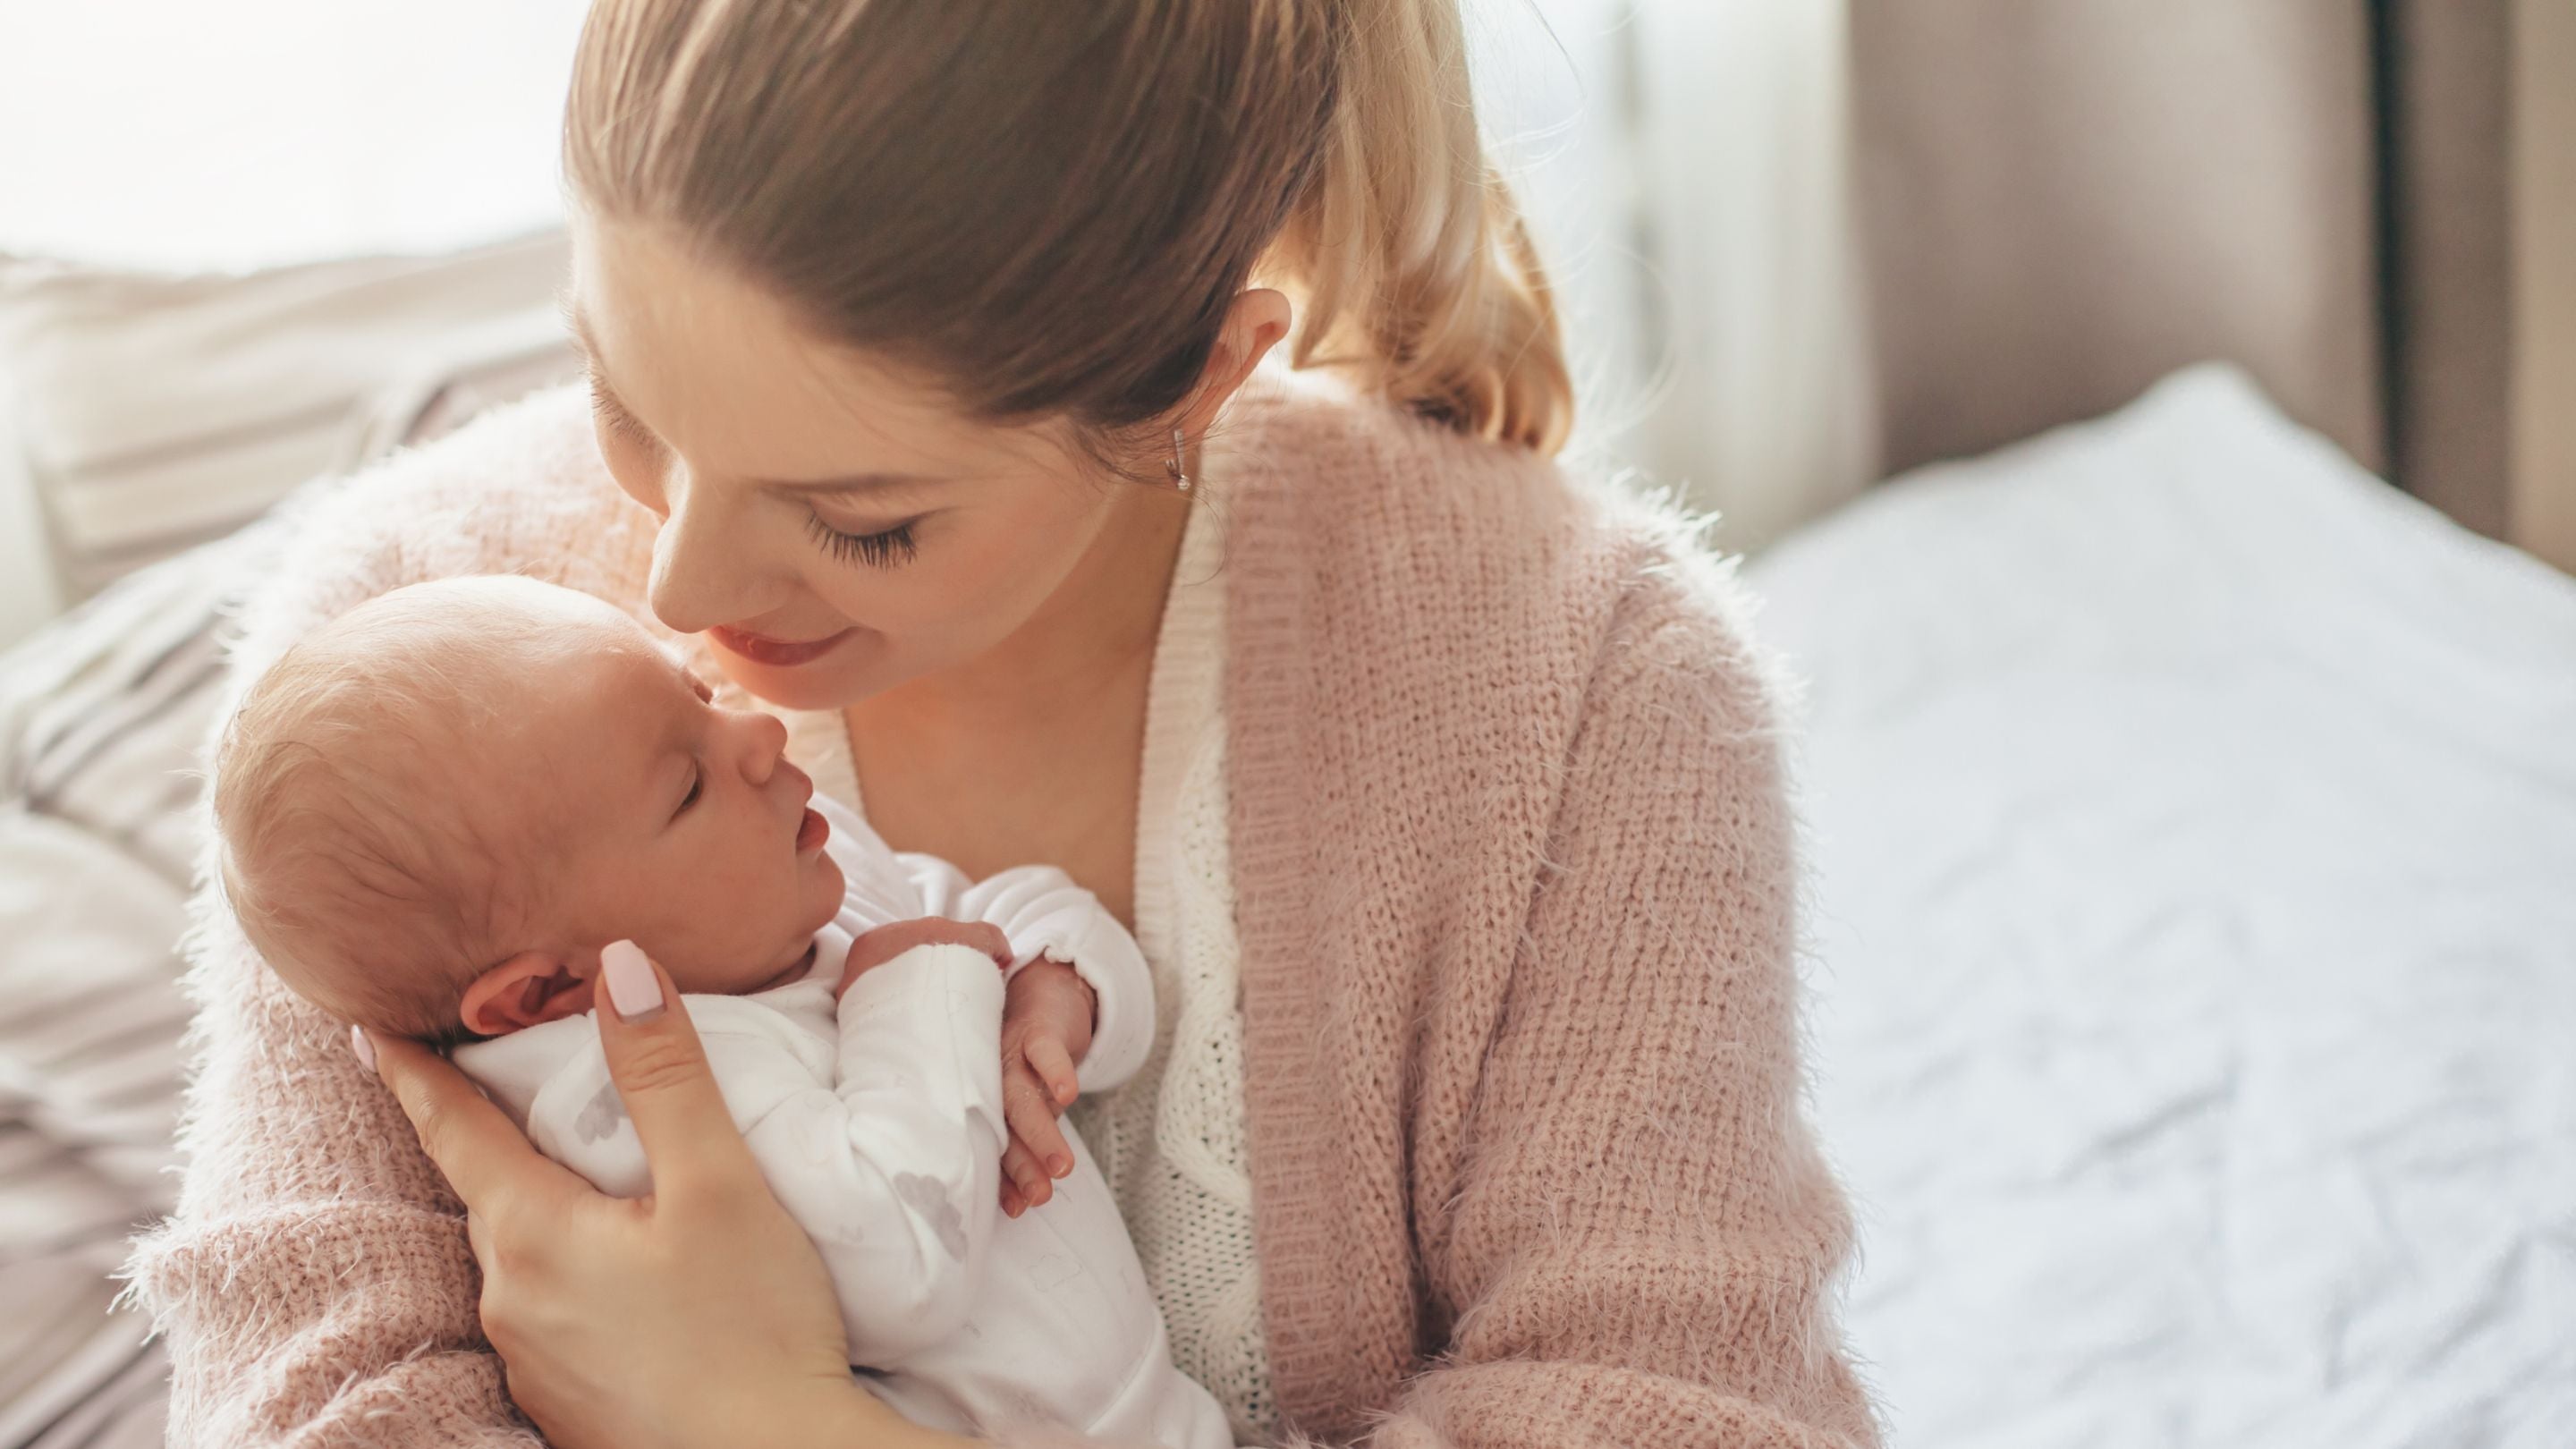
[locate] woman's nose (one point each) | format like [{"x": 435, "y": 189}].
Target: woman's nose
[{"x": 700, "y": 576}]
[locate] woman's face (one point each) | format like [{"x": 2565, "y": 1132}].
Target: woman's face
[{"x": 836, "y": 527}]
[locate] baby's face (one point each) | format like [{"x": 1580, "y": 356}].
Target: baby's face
[{"x": 682, "y": 826}]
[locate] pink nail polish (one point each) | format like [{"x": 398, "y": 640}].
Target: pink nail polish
[
  {"x": 365, "y": 1049},
  {"x": 632, "y": 987}
]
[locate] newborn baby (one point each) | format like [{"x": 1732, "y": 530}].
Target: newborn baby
[{"x": 438, "y": 808}]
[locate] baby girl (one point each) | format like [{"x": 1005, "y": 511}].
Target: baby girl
[{"x": 437, "y": 811}]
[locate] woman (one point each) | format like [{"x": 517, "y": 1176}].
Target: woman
[{"x": 1440, "y": 789}]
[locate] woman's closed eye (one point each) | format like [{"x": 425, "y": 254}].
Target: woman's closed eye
[
  {"x": 887, "y": 548},
  {"x": 697, "y": 784},
  {"x": 613, "y": 415}
]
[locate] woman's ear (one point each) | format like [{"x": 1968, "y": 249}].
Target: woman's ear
[
  {"x": 530, "y": 987},
  {"x": 1255, "y": 321}
]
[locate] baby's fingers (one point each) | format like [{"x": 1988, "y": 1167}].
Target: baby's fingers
[
  {"x": 1054, "y": 1068},
  {"x": 1024, "y": 1183},
  {"x": 1029, "y": 1111}
]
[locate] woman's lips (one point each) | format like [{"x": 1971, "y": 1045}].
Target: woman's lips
[
  {"x": 776, "y": 653},
  {"x": 811, "y": 832}
]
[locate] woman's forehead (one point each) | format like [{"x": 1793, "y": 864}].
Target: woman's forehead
[{"x": 723, "y": 373}]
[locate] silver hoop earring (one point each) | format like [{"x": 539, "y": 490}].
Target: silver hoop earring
[{"x": 1172, "y": 464}]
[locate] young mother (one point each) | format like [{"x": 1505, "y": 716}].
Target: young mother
[{"x": 1443, "y": 791}]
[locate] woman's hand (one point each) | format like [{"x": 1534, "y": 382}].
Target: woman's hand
[
  {"x": 1047, "y": 1016},
  {"x": 697, "y": 1316}
]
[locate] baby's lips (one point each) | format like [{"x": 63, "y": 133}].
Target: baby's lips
[{"x": 812, "y": 831}]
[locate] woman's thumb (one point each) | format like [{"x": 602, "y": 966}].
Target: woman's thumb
[{"x": 661, "y": 1072}]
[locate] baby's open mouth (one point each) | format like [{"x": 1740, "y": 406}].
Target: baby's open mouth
[{"x": 811, "y": 832}]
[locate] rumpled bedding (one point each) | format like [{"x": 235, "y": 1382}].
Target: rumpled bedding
[
  {"x": 2193, "y": 830},
  {"x": 101, "y": 718}
]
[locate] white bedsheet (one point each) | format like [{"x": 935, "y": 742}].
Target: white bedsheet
[{"x": 2193, "y": 824}]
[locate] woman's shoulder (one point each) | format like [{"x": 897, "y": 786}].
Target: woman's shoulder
[
  {"x": 519, "y": 490},
  {"x": 522, "y": 483},
  {"x": 1471, "y": 555}
]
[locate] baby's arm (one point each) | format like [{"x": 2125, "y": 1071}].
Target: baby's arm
[
  {"x": 893, "y": 1168},
  {"x": 1043, "y": 913}
]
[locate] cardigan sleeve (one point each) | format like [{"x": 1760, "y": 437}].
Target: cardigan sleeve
[{"x": 1648, "y": 1246}]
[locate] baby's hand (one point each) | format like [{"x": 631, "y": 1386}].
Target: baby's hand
[
  {"x": 1046, "y": 1028},
  {"x": 885, "y": 943}
]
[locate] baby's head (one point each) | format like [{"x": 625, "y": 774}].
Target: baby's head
[{"x": 438, "y": 807}]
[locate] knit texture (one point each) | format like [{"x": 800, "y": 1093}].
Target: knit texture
[
  {"x": 1171, "y": 1141},
  {"x": 1514, "y": 889}
]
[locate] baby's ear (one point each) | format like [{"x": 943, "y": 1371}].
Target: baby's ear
[{"x": 530, "y": 987}]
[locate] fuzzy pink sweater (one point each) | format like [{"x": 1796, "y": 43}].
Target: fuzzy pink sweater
[{"x": 1516, "y": 912}]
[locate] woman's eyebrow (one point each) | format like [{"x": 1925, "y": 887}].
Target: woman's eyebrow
[{"x": 859, "y": 483}]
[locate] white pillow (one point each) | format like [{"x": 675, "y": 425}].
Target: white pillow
[{"x": 145, "y": 414}]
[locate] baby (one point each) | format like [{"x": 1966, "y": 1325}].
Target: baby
[{"x": 438, "y": 808}]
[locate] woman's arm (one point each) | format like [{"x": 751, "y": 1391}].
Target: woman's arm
[
  {"x": 315, "y": 1284},
  {"x": 1646, "y": 1245}
]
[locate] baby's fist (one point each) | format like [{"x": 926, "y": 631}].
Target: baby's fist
[
  {"x": 1046, "y": 1028},
  {"x": 883, "y": 944}
]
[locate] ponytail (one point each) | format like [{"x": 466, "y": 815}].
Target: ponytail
[{"x": 1415, "y": 268}]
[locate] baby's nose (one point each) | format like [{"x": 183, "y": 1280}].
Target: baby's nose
[{"x": 767, "y": 736}]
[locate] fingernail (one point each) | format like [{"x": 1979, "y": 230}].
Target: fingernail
[
  {"x": 365, "y": 1049},
  {"x": 632, "y": 987},
  {"x": 1060, "y": 1165}
]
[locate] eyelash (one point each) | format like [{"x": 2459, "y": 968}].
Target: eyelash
[
  {"x": 893, "y": 547},
  {"x": 617, "y": 418},
  {"x": 697, "y": 782}
]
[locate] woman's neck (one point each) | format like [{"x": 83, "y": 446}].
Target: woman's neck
[{"x": 1034, "y": 751}]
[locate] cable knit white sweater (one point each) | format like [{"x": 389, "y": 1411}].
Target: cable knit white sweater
[{"x": 1171, "y": 1141}]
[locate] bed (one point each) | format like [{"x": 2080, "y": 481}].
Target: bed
[
  {"x": 2192, "y": 831},
  {"x": 2190, "y": 814}
]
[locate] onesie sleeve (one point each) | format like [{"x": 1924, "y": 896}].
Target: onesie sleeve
[{"x": 1044, "y": 914}]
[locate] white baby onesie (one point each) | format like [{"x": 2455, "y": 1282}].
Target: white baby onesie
[{"x": 880, "y": 1129}]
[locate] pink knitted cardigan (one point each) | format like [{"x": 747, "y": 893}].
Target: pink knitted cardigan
[{"x": 1516, "y": 913}]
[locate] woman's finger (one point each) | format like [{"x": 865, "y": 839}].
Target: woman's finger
[
  {"x": 690, "y": 1141},
  {"x": 484, "y": 1155}
]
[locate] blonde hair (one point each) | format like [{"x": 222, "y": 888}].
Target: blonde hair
[
  {"x": 342, "y": 852},
  {"x": 1051, "y": 206}
]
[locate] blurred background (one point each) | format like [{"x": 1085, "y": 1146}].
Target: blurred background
[{"x": 2153, "y": 427}]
